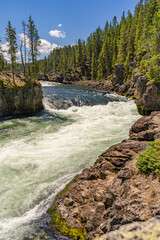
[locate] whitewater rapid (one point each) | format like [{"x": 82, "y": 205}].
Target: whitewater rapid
[{"x": 40, "y": 154}]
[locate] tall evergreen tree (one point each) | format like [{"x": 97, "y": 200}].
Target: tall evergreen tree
[
  {"x": 122, "y": 42},
  {"x": 34, "y": 43},
  {"x": 12, "y": 44},
  {"x": 1, "y": 58},
  {"x": 23, "y": 44}
]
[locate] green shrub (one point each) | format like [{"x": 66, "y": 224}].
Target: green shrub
[{"x": 149, "y": 160}]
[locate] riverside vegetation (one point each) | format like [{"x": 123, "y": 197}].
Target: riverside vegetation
[
  {"x": 123, "y": 57},
  {"x": 135, "y": 39},
  {"x": 113, "y": 191},
  {"x": 21, "y": 93}
]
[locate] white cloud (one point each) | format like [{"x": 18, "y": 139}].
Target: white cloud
[
  {"x": 5, "y": 47},
  {"x": 59, "y": 25},
  {"x": 73, "y": 44},
  {"x": 57, "y": 33},
  {"x": 24, "y": 37},
  {"x": 46, "y": 47}
]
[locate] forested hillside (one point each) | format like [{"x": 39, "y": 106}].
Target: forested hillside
[{"x": 136, "y": 38}]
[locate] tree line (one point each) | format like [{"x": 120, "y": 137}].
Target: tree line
[
  {"x": 135, "y": 38},
  {"x": 29, "y": 39}
]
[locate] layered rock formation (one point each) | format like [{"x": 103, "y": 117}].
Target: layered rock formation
[
  {"x": 20, "y": 100},
  {"x": 146, "y": 94},
  {"x": 112, "y": 192}
]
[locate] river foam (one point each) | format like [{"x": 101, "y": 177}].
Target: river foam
[{"x": 40, "y": 154}]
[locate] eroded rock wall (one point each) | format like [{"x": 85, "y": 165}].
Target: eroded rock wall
[
  {"x": 19, "y": 101},
  {"x": 146, "y": 94}
]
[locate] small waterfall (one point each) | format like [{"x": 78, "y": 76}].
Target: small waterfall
[{"x": 64, "y": 97}]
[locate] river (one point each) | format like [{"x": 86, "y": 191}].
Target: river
[{"x": 40, "y": 154}]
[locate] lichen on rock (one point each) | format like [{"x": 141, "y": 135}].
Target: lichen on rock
[{"x": 149, "y": 230}]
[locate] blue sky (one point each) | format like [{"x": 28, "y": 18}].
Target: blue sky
[{"x": 78, "y": 17}]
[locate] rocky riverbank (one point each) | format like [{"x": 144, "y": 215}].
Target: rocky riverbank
[
  {"x": 112, "y": 192},
  {"x": 145, "y": 93},
  {"x": 20, "y": 99}
]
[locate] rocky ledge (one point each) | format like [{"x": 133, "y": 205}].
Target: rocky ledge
[
  {"x": 112, "y": 192},
  {"x": 149, "y": 230},
  {"x": 20, "y": 100}
]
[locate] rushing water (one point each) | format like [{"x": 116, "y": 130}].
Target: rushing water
[{"x": 40, "y": 154}]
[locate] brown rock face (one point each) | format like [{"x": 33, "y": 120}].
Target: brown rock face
[
  {"x": 147, "y": 95},
  {"x": 113, "y": 192},
  {"x": 23, "y": 100}
]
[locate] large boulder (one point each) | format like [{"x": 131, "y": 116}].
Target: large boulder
[{"x": 147, "y": 96}]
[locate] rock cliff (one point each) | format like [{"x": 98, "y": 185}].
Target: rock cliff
[
  {"x": 20, "y": 100},
  {"x": 112, "y": 192},
  {"x": 146, "y": 94}
]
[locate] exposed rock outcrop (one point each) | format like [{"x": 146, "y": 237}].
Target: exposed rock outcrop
[
  {"x": 112, "y": 192},
  {"x": 146, "y": 94},
  {"x": 149, "y": 230},
  {"x": 20, "y": 100}
]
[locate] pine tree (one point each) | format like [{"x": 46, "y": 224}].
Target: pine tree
[
  {"x": 23, "y": 45},
  {"x": 1, "y": 58},
  {"x": 12, "y": 44},
  {"x": 96, "y": 49},
  {"x": 122, "y": 42},
  {"x": 34, "y": 43},
  {"x": 89, "y": 53}
]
